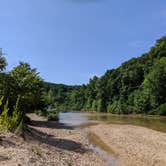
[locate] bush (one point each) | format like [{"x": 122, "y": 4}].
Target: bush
[
  {"x": 40, "y": 113},
  {"x": 100, "y": 106},
  {"x": 161, "y": 110},
  {"x": 7, "y": 121},
  {"x": 153, "y": 112},
  {"x": 114, "y": 108},
  {"x": 126, "y": 109},
  {"x": 53, "y": 116},
  {"x": 109, "y": 108},
  {"x": 94, "y": 105}
]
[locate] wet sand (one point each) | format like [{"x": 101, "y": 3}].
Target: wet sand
[{"x": 133, "y": 145}]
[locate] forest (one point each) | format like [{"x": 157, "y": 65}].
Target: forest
[
  {"x": 138, "y": 86},
  {"x": 22, "y": 91}
]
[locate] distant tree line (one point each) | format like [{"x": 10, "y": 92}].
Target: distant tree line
[{"x": 137, "y": 86}]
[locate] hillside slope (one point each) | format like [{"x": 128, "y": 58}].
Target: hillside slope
[{"x": 137, "y": 86}]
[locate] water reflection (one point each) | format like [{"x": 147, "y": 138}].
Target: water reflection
[
  {"x": 156, "y": 123},
  {"x": 104, "y": 150},
  {"x": 84, "y": 120},
  {"x": 87, "y": 119},
  {"x": 74, "y": 118}
]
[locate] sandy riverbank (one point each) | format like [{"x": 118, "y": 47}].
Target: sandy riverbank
[
  {"x": 133, "y": 145},
  {"x": 47, "y": 144},
  {"x": 53, "y": 144}
]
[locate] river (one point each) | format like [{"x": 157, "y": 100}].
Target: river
[
  {"x": 79, "y": 120},
  {"x": 85, "y": 119}
]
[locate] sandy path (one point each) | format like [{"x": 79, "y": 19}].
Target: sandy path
[
  {"x": 133, "y": 145},
  {"x": 47, "y": 144}
]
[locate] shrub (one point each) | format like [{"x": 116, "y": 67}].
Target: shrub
[
  {"x": 40, "y": 113},
  {"x": 94, "y": 105},
  {"x": 109, "y": 108},
  {"x": 100, "y": 106},
  {"x": 161, "y": 110},
  {"x": 53, "y": 116},
  {"x": 7, "y": 121}
]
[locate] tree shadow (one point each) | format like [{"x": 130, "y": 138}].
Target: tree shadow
[
  {"x": 4, "y": 158},
  {"x": 32, "y": 134},
  {"x": 6, "y": 143},
  {"x": 50, "y": 124}
]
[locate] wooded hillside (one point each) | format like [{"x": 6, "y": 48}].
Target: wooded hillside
[{"x": 137, "y": 86}]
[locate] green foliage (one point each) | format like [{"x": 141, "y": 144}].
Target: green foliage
[
  {"x": 100, "y": 106},
  {"x": 4, "y": 118},
  {"x": 155, "y": 83},
  {"x": 16, "y": 117},
  {"x": 137, "y": 86},
  {"x": 109, "y": 108},
  {"x": 20, "y": 127},
  {"x": 7, "y": 121},
  {"x": 53, "y": 116},
  {"x": 49, "y": 97},
  {"x": 29, "y": 86},
  {"x": 94, "y": 105},
  {"x": 161, "y": 110},
  {"x": 21, "y": 91},
  {"x": 3, "y": 62},
  {"x": 141, "y": 101},
  {"x": 89, "y": 104},
  {"x": 114, "y": 108}
]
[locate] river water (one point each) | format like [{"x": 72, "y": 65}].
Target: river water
[
  {"x": 77, "y": 118},
  {"x": 82, "y": 120}
]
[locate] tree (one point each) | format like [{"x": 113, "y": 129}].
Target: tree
[
  {"x": 94, "y": 105},
  {"x": 136, "y": 86},
  {"x": 49, "y": 97},
  {"x": 29, "y": 86},
  {"x": 3, "y": 62},
  {"x": 155, "y": 83}
]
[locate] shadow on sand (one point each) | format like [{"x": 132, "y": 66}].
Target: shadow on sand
[
  {"x": 33, "y": 134},
  {"x": 50, "y": 124}
]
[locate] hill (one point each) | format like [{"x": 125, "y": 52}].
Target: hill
[{"x": 137, "y": 86}]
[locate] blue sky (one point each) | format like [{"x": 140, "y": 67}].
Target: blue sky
[{"x": 69, "y": 41}]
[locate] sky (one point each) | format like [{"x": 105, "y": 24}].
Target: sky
[{"x": 70, "y": 41}]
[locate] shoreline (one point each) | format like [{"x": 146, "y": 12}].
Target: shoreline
[
  {"x": 133, "y": 145},
  {"x": 53, "y": 144},
  {"x": 119, "y": 115},
  {"x": 47, "y": 143}
]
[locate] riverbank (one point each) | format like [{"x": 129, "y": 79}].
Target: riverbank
[
  {"x": 47, "y": 143},
  {"x": 53, "y": 144},
  {"x": 133, "y": 145}
]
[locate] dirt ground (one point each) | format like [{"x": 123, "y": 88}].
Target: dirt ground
[
  {"x": 47, "y": 144},
  {"x": 53, "y": 144},
  {"x": 133, "y": 145}
]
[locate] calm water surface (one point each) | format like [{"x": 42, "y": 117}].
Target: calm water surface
[
  {"x": 82, "y": 120},
  {"x": 77, "y": 118}
]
